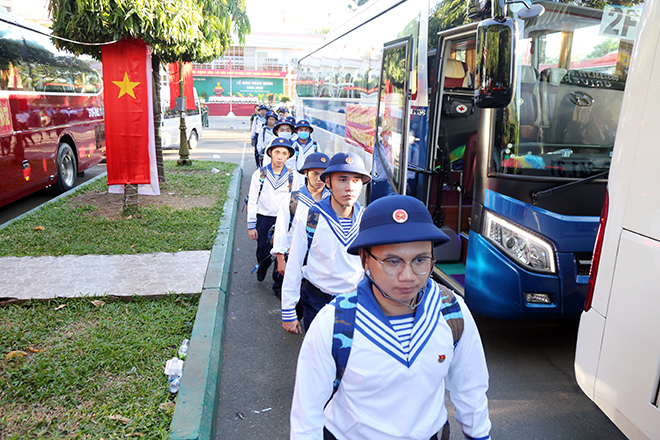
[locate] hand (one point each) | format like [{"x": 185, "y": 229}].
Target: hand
[
  {"x": 281, "y": 264},
  {"x": 292, "y": 327},
  {"x": 253, "y": 234}
]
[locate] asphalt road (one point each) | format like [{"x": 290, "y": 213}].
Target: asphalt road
[{"x": 533, "y": 393}]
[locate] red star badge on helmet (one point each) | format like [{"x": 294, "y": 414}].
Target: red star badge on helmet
[
  {"x": 400, "y": 216},
  {"x": 349, "y": 160}
]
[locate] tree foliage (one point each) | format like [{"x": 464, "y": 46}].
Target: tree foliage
[
  {"x": 187, "y": 30},
  {"x": 354, "y": 4}
]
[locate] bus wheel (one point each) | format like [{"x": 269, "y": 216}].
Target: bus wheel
[
  {"x": 192, "y": 142},
  {"x": 67, "y": 168}
]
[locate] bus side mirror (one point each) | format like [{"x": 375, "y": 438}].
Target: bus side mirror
[{"x": 495, "y": 69}]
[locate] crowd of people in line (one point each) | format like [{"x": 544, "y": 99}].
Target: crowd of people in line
[{"x": 383, "y": 341}]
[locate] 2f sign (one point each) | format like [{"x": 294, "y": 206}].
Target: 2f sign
[{"x": 620, "y": 22}]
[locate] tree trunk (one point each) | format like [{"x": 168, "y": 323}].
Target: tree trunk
[
  {"x": 130, "y": 196},
  {"x": 155, "y": 82}
]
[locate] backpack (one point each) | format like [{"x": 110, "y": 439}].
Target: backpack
[
  {"x": 344, "y": 327},
  {"x": 293, "y": 206},
  {"x": 262, "y": 179}
]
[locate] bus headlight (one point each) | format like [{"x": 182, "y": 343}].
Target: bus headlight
[{"x": 528, "y": 250}]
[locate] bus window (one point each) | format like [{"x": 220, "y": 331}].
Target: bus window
[{"x": 563, "y": 118}]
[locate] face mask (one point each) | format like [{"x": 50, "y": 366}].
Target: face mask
[
  {"x": 284, "y": 134},
  {"x": 303, "y": 135}
]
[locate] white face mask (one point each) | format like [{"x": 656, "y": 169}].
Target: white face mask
[{"x": 284, "y": 134}]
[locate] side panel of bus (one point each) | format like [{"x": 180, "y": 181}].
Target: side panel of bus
[{"x": 617, "y": 362}]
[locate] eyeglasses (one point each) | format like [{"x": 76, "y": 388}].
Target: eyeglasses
[{"x": 394, "y": 266}]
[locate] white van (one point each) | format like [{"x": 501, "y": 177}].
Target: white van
[
  {"x": 169, "y": 125},
  {"x": 617, "y": 360}
]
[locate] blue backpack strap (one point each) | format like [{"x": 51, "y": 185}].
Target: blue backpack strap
[
  {"x": 262, "y": 179},
  {"x": 342, "y": 334},
  {"x": 451, "y": 311},
  {"x": 312, "y": 222},
  {"x": 293, "y": 206}
]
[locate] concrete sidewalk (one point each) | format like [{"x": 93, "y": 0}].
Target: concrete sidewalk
[{"x": 97, "y": 275}]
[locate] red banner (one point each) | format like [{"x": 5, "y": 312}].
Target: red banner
[
  {"x": 128, "y": 107},
  {"x": 361, "y": 126},
  {"x": 187, "y": 84}
]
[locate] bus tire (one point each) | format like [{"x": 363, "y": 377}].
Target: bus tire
[
  {"x": 67, "y": 168},
  {"x": 192, "y": 142}
]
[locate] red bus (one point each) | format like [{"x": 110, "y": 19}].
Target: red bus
[{"x": 51, "y": 113}]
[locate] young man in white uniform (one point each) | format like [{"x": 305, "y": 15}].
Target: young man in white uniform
[
  {"x": 269, "y": 186},
  {"x": 284, "y": 129},
  {"x": 303, "y": 144},
  {"x": 266, "y": 136},
  {"x": 407, "y": 341},
  {"x": 257, "y": 125},
  {"x": 298, "y": 204},
  {"x": 321, "y": 256}
]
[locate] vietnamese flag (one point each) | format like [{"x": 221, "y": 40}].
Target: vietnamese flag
[
  {"x": 187, "y": 84},
  {"x": 128, "y": 101}
]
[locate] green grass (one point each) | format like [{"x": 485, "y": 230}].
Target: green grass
[
  {"x": 69, "y": 229},
  {"x": 84, "y": 373}
]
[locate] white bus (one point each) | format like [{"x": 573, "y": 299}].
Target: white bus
[
  {"x": 617, "y": 361},
  {"x": 169, "y": 125}
]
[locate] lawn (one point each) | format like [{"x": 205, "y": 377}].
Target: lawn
[
  {"x": 90, "y": 371},
  {"x": 92, "y": 368},
  {"x": 184, "y": 217}
]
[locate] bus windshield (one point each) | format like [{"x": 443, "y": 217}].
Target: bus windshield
[{"x": 563, "y": 118}]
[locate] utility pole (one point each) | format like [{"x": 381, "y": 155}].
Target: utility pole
[{"x": 184, "y": 152}]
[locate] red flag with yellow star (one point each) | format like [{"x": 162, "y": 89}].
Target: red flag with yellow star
[
  {"x": 187, "y": 84},
  {"x": 128, "y": 102}
]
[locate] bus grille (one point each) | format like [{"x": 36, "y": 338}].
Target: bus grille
[{"x": 583, "y": 262}]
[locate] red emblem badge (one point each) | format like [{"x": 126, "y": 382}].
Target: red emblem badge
[
  {"x": 323, "y": 159},
  {"x": 400, "y": 216},
  {"x": 441, "y": 358},
  {"x": 349, "y": 160}
]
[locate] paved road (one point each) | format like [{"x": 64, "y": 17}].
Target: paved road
[{"x": 533, "y": 392}]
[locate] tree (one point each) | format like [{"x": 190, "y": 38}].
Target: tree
[
  {"x": 177, "y": 30},
  {"x": 354, "y": 4}
]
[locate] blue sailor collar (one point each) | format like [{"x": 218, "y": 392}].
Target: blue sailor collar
[
  {"x": 345, "y": 238},
  {"x": 306, "y": 197},
  {"x": 276, "y": 180},
  {"x": 370, "y": 321}
]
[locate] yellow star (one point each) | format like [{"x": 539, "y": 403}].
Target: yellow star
[{"x": 126, "y": 86}]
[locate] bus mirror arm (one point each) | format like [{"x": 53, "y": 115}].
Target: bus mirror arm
[
  {"x": 544, "y": 194},
  {"x": 531, "y": 12}
]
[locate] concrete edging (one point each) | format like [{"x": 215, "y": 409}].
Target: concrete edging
[
  {"x": 55, "y": 199},
  {"x": 194, "y": 414}
]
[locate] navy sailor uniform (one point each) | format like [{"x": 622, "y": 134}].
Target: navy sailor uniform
[
  {"x": 389, "y": 392},
  {"x": 329, "y": 267}
]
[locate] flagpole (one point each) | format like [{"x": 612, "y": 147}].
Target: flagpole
[{"x": 231, "y": 95}]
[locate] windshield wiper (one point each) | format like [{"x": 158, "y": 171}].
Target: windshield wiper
[{"x": 544, "y": 194}]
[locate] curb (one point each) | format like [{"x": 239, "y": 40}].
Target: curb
[
  {"x": 194, "y": 413},
  {"x": 55, "y": 199}
]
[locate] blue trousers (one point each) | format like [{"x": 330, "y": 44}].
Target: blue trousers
[
  {"x": 264, "y": 246},
  {"x": 313, "y": 300}
]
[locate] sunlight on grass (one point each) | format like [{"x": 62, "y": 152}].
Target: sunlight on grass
[
  {"x": 63, "y": 228},
  {"x": 90, "y": 371}
]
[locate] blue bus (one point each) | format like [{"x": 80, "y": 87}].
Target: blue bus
[{"x": 500, "y": 117}]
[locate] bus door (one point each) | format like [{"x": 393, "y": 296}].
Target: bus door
[
  {"x": 453, "y": 144},
  {"x": 388, "y": 172}
]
